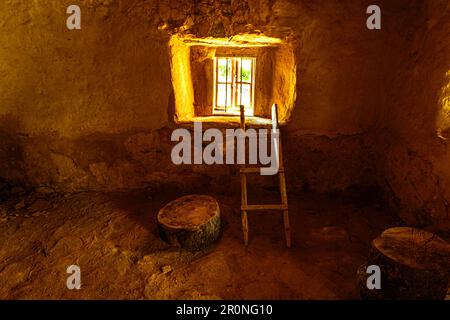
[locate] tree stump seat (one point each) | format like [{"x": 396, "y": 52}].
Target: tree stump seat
[
  {"x": 191, "y": 222},
  {"x": 414, "y": 264}
]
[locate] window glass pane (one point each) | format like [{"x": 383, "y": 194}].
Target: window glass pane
[
  {"x": 224, "y": 69},
  {"x": 223, "y": 95},
  {"x": 230, "y": 92},
  {"x": 245, "y": 98},
  {"x": 245, "y": 70}
]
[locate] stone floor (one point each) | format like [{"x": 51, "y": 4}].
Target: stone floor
[{"x": 113, "y": 238}]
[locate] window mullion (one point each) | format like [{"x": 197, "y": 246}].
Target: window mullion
[
  {"x": 252, "y": 83},
  {"x": 216, "y": 86},
  {"x": 233, "y": 105}
]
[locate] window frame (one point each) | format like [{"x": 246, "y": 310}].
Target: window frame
[{"x": 236, "y": 59}]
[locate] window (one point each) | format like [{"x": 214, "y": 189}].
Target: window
[{"x": 234, "y": 85}]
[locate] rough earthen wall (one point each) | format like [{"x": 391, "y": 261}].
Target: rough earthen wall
[
  {"x": 413, "y": 129},
  {"x": 92, "y": 109}
]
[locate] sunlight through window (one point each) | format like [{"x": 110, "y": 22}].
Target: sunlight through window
[{"x": 234, "y": 84}]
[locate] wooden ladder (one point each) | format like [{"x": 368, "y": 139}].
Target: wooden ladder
[{"x": 245, "y": 207}]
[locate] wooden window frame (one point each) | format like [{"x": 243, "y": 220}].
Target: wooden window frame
[{"x": 234, "y": 85}]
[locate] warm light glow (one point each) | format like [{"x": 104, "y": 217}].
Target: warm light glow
[
  {"x": 229, "y": 87},
  {"x": 240, "y": 40},
  {"x": 234, "y": 84},
  {"x": 443, "y": 120},
  {"x": 182, "y": 80}
]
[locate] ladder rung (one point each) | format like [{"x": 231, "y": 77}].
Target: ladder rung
[
  {"x": 253, "y": 207},
  {"x": 256, "y": 170}
]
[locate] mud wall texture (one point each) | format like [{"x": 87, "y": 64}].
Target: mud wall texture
[
  {"x": 93, "y": 109},
  {"x": 413, "y": 140}
]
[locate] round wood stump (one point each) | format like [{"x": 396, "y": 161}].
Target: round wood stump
[
  {"x": 190, "y": 222},
  {"x": 415, "y": 264}
]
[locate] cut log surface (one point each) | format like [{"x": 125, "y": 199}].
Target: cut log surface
[
  {"x": 415, "y": 264},
  {"x": 414, "y": 248},
  {"x": 190, "y": 222}
]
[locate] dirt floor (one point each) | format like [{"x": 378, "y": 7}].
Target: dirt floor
[{"x": 113, "y": 238}]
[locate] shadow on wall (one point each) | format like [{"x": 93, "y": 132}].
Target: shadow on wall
[
  {"x": 416, "y": 150},
  {"x": 11, "y": 151}
]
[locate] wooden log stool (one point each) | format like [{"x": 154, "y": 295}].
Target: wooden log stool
[
  {"x": 190, "y": 222},
  {"x": 414, "y": 264}
]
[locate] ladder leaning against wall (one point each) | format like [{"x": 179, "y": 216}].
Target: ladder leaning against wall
[{"x": 283, "y": 206}]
